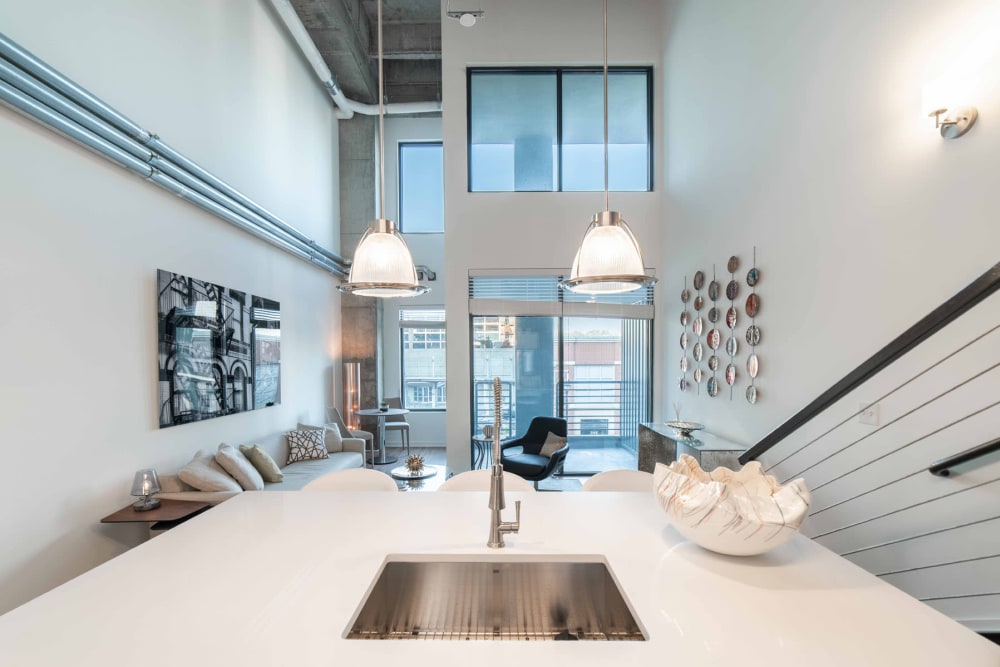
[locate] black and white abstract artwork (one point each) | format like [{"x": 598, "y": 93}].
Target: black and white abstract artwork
[{"x": 219, "y": 350}]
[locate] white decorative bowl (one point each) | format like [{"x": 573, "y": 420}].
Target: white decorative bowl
[{"x": 740, "y": 513}]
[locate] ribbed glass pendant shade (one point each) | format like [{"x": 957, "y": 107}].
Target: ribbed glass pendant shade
[
  {"x": 609, "y": 259},
  {"x": 382, "y": 264}
]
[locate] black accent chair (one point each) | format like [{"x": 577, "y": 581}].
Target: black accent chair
[{"x": 528, "y": 463}]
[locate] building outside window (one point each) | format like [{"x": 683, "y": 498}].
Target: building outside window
[
  {"x": 422, "y": 358},
  {"x": 541, "y": 129}
]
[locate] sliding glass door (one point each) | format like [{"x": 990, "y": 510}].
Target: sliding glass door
[{"x": 592, "y": 371}]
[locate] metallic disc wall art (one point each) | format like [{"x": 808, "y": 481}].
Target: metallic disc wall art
[
  {"x": 732, "y": 346},
  {"x": 713, "y": 314},
  {"x": 732, "y": 291},
  {"x": 753, "y": 331},
  {"x": 731, "y": 317},
  {"x": 713, "y": 363},
  {"x": 731, "y": 374},
  {"x": 685, "y": 320},
  {"x": 714, "y": 339},
  {"x": 697, "y": 328}
]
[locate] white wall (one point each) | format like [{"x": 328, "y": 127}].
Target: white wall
[
  {"x": 486, "y": 230},
  {"x": 797, "y": 127},
  {"x": 427, "y": 429},
  {"x": 80, "y": 242}
]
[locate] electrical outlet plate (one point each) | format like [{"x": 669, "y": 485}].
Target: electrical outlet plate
[{"x": 868, "y": 414}]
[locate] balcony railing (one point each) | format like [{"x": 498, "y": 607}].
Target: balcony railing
[{"x": 594, "y": 410}]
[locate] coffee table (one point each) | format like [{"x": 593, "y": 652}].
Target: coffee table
[{"x": 433, "y": 476}]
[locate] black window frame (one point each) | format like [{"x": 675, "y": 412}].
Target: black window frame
[
  {"x": 399, "y": 182},
  {"x": 558, "y": 72}
]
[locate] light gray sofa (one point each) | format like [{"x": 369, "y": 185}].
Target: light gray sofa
[{"x": 296, "y": 475}]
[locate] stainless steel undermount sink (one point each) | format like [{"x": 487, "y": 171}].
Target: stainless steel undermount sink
[{"x": 495, "y": 598}]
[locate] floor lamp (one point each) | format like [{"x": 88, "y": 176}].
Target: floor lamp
[{"x": 352, "y": 393}]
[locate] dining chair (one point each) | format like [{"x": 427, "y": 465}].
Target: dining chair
[
  {"x": 620, "y": 480},
  {"x": 398, "y": 423},
  {"x": 334, "y": 418},
  {"x": 355, "y": 479},
  {"x": 479, "y": 480}
]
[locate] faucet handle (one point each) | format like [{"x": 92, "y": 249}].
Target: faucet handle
[{"x": 517, "y": 515}]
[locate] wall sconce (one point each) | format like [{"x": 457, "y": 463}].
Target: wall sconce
[
  {"x": 942, "y": 102},
  {"x": 954, "y": 122}
]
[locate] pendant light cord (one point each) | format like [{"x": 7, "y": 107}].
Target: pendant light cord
[
  {"x": 606, "y": 208},
  {"x": 381, "y": 121}
]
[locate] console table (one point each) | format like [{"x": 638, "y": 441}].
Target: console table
[
  {"x": 169, "y": 514},
  {"x": 659, "y": 443}
]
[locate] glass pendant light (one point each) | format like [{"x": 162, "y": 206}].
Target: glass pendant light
[
  {"x": 382, "y": 265},
  {"x": 609, "y": 259}
]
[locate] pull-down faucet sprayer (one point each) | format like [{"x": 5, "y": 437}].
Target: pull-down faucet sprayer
[{"x": 497, "y": 503}]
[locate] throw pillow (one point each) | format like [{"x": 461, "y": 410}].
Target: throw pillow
[
  {"x": 331, "y": 435},
  {"x": 204, "y": 474},
  {"x": 263, "y": 462},
  {"x": 306, "y": 445},
  {"x": 239, "y": 468},
  {"x": 553, "y": 443}
]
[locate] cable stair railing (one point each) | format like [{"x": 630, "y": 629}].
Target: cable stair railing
[{"x": 915, "y": 497}]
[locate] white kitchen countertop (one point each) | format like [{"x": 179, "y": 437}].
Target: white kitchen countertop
[{"x": 274, "y": 578}]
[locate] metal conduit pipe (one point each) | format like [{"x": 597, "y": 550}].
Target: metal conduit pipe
[
  {"x": 113, "y": 127},
  {"x": 166, "y": 151},
  {"x": 18, "y": 101},
  {"x": 183, "y": 177},
  {"x": 211, "y": 206},
  {"x": 31, "y": 108},
  {"x": 13, "y": 52},
  {"x": 346, "y": 106},
  {"x": 46, "y": 96},
  {"x": 54, "y": 100}
]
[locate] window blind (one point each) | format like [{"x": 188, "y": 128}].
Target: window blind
[{"x": 541, "y": 295}]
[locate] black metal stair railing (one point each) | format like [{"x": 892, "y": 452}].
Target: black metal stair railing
[
  {"x": 981, "y": 288},
  {"x": 943, "y": 467}
]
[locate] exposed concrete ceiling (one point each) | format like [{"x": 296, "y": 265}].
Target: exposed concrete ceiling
[{"x": 345, "y": 32}]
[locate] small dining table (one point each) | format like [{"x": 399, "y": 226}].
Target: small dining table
[{"x": 382, "y": 459}]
